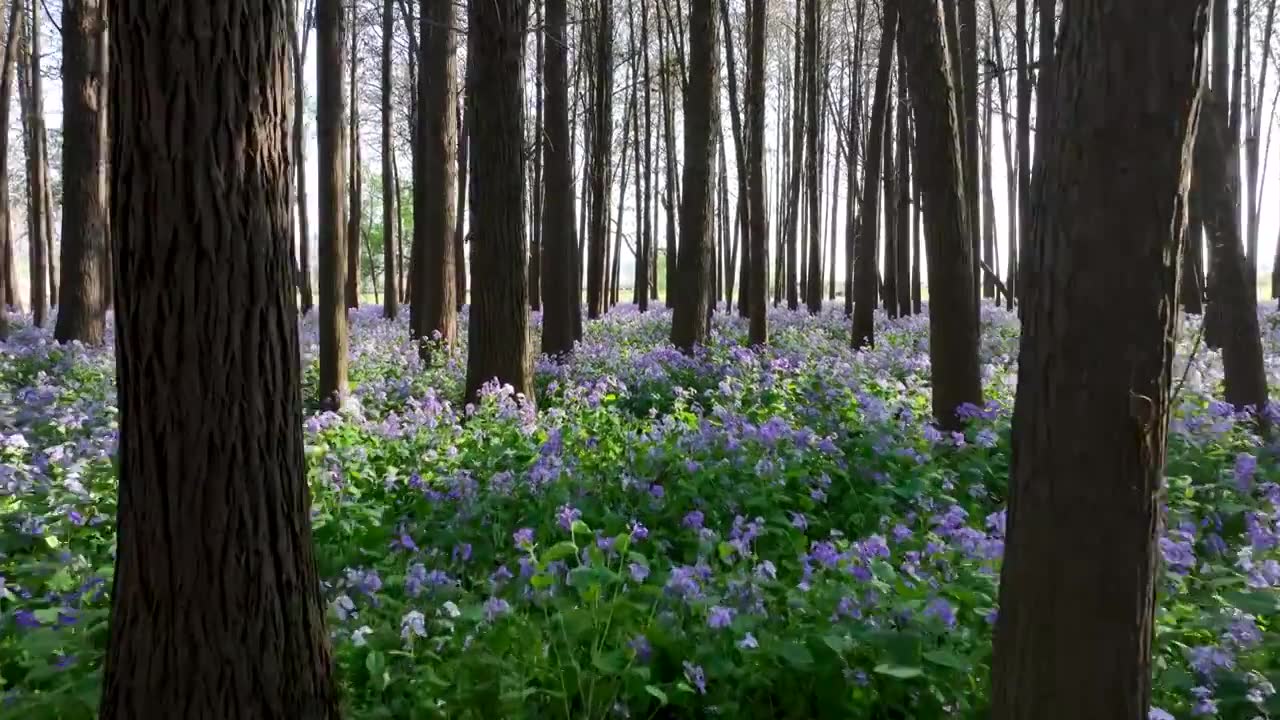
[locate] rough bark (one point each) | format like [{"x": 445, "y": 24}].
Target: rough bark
[
  {"x": 953, "y": 315},
  {"x": 888, "y": 277},
  {"x": 354, "y": 181},
  {"x": 434, "y": 307},
  {"x": 559, "y": 251},
  {"x": 793, "y": 207},
  {"x": 31, "y": 101},
  {"x": 967, "y": 81},
  {"x": 902, "y": 214},
  {"x": 649, "y": 280},
  {"x": 216, "y": 605},
  {"x": 757, "y": 286},
  {"x": 702, "y": 105},
  {"x": 298, "y": 50},
  {"x": 331, "y": 146},
  {"x": 988, "y": 193},
  {"x": 813, "y": 128},
  {"x": 671, "y": 196},
  {"x": 601, "y": 158},
  {"x": 498, "y": 332},
  {"x": 864, "y": 270},
  {"x": 1023, "y": 147},
  {"x": 390, "y": 296},
  {"x": 12, "y": 33},
  {"x": 1074, "y": 634},
  {"x": 537, "y": 191}
]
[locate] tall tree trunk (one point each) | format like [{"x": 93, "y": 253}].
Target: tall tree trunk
[
  {"x": 889, "y": 278},
  {"x": 793, "y": 207},
  {"x": 331, "y": 150},
  {"x": 853, "y": 141},
  {"x": 1193, "y": 280},
  {"x": 463, "y": 157},
  {"x": 354, "y": 189},
  {"x": 298, "y": 50},
  {"x": 1024, "y": 148},
  {"x": 601, "y": 152},
  {"x": 649, "y": 281},
  {"x": 988, "y": 193},
  {"x": 537, "y": 191},
  {"x": 864, "y": 271},
  {"x": 215, "y": 573},
  {"x": 917, "y": 303},
  {"x": 559, "y": 252},
  {"x": 813, "y": 126},
  {"x": 403, "y": 276},
  {"x": 1045, "y": 10},
  {"x": 757, "y": 286},
  {"x": 1077, "y": 594},
  {"x": 433, "y": 314},
  {"x": 966, "y": 76},
  {"x": 670, "y": 199},
  {"x": 735, "y": 117},
  {"x": 7, "y": 280},
  {"x": 1252, "y": 155},
  {"x": 902, "y": 219},
  {"x": 390, "y": 296},
  {"x": 498, "y": 333},
  {"x": 33, "y": 135},
  {"x": 615, "y": 267},
  {"x": 701, "y": 117},
  {"x": 953, "y": 316},
  {"x": 82, "y": 310}
]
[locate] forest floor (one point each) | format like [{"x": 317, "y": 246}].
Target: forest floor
[{"x": 749, "y": 534}]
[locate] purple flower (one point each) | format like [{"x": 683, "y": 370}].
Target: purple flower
[
  {"x": 695, "y": 675},
  {"x": 720, "y": 617},
  {"x": 799, "y": 521},
  {"x": 495, "y": 607},
  {"x": 766, "y": 570},
  {"x": 413, "y": 623},
  {"x": 693, "y": 520},
  {"x": 565, "y": 517},
  {"x": 824, "y": 553},
  {"x": 1246, "y": 466},
  {"x": 638, "y": 531},
  {"x": 1244, "y": 633},
  {"x": 1178, "y": 555},
  {"x": 404, "y": 542},
  {"x": 523, "y": 538},
  {"x": 462, "y": 552},
  {"x": 641, "y": 647},
  {"x": 638, "y": 572},
  {"x": 1207, "y": 659},
  {"x": 1205, "y": 704},
  {"x": 900, "y": 533},
  {"x": 748, "y": 642},
  {"x": 1159, "y": 714},
  {"x": 942, "y": 611}
]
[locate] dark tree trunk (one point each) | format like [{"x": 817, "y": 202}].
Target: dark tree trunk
[
  {"x": 464, "y": 144},
  {"x": 298, "y": 50},
  {"x": 966, "y": 78},
  {"x": 864, "y": 270},
  {"x": 33, "y": 137},
  {"x": 7, "y": 280},
  {"x": 1045, "y": 10},
  {"x": 853, "y": 141},
  {"x": 1077, "y": 595},
  {"x": 354, "y": 189},
  {"x": 739, "y": 140},
  {"x": 670, "y": 199},
  {"x": 216, "y": 607},
  {"x": 988, "y": 193},
  {"x": 601, "y": 157},
  {"x": 1012, "y": 176},
  {"x": 648, "y": 281},
  {"x": 702, "y": 105},
  {"x": 82, "y": 310},
  {"x": 1192, "y": 287},
  {"x": 498, "y": 333},
  {"x": 1024, "y": 147},
  {"x": 917, "y": 304},
  {"x": 813, "y": 127},
  {"x": 757, "y": 286},
  {"x": 536, "y": 191},
  {"x": 559, "y": 252},
  {"x": 902, "y": 219},
  {"x": 435, "y": 308},
  {"x": 793, "y": 207},
  {"x": 390, "y": 296},
  {"x": 331, "y": 147},
  {"x": 889, "y": 278},
  {"x": 953, "y": 316}
]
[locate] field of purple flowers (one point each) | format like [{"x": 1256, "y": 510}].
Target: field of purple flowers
[{"x": 777, "y": 534}]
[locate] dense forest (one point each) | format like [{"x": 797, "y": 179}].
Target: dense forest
[{"x": 610, "y": 358}]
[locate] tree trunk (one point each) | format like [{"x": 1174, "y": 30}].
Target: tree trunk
[
  {"x": 853, "y": 141},
  {"x": 864, "y": 271},
  {"x": 758, "y": 284},
  {"x": 1077, "y": 595},
  {"x": 331, "y": 148},
  {"x": 537, "y": 191},
  {"x": 433, "y": 314},
  {"x": 793, "y": 207},
  {"x": 390, "y": 296},
  {"x": 601, "y": 152},
  {"x": 498, "y": 333},
  {"x": 1024, "y": 148},
  {"x": 33, "y": 136},
  {"x": 354, "y": 189},
  {"x": 702, "y": 105},
  {"x": 953, "y": 316},
  {"x": 889, "y": 278},
  {"x": 670, "y": 200},
  {"x": 298, "y": 50},
  {"x": 215, "y": 573},
  {"x": 7, "y": 280},
  {"x": 967, "y": 79},
  {"x": 82, "y": 310},
  {"x": 988, "y": 193},
  {"x": 464, "y": 144},
  {"x": 559, "y": 250},
  {"x": 646, "y": 278},
  {"x": 902, "y": 220},
  {"x": 813, "y": 126}
]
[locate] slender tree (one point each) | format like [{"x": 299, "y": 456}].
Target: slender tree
[
  {"x": 12, "y": 35},
  {"x": 559, "y": 251},
  {"x": 464, "y": 145},
  {"x": 355, "y": 190},
  {"x": 498, "y": 333},
  {"x": 331, "y": 147},
  {"x": 32, "y": 101},
  {"x": 1078, "y": 583},
  {"x": 689, "y": 323},
  {"x": 864, "y": 270},
  {"x": 1023, "y": 145},
  {"x": 813, "y": 164},
  {"x": 601, "y": 154},
  {"x": 390, "y": 295},
  {"x": 902, "y": 203},
  {"x": 434, "y": 307},
  {"x": 536, "y": 191},
  {"x": 757, "y": 287},
  {"x": 953, "y": 316},
  {"x": 215, "y": 573},
  {"x": 298, "y": 41}
]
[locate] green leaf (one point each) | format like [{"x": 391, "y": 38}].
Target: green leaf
[
  {"x": 839, "y": 643},
  {"x": 559, "y": 550},
  {"x": 52, "y": 541},
  {"x": 47, "y": 616},
  {"x": 654, "y": 691},
  {"x": 796, "y": 655},
  {"x": 1259, "y": 603},
  {"x": 946, "y": 658},
  {"x": 610, "y": 663},
  {"x": 542, "y": 580},
  {"x": 902, "y": 672},
  {"x": 580, "y": 528},
  {"x": 726, "y": 551},
  {"x": 376, "y": 663}
]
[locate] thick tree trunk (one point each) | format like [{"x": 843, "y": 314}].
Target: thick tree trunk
[
  {"x": 298, "y": 50},
  {"x": 216, "y": 606},
  {"x": 853, "y": 141},
  {"x": 390, "y": 296},
  {"x": 758, "y": 285},
  {"x": 813, "y": 127},
  {"x": 601, "y": 157},
  {"x": 953, "y": 316},
  {"x": 702, "y": 106},
  {"x": 82, "y": 307},
  {"x": 864, "y": 270},
  {"x": 559, "y": 252},
  {"x": 354, "y": 189},
  {"x": 1074, "y": 634},
  {"x": 433, "y": 314},
  {"x": 331, "y": 148},
  {"x": 498, "y": 332},
  {"x": 33, "y": 137}
]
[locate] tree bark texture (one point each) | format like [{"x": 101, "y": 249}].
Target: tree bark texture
[
  {"x": 390, "y": 296},
  {"x": 331, "y": 146},
  {"x": 559, "y": 246}
]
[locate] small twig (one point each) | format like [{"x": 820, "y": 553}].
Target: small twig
[{"x": 1173, "y": 399}]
